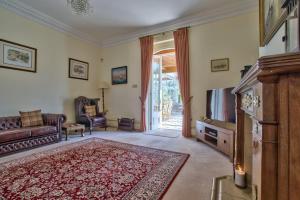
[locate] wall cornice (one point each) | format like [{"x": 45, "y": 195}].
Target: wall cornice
[{"x": 239, "y": 8}]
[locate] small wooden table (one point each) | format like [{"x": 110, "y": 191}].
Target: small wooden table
[{"x": 72, "y": 127}]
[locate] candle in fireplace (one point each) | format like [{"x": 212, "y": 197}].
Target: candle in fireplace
[{"x": 240, "y": 177}]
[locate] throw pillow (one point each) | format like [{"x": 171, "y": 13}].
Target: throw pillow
[
  {"x": 32, "y": 118},
  {"x": 90, "y": 110}
]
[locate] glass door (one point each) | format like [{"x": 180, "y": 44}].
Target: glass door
[{"x": 155, "y": 104}]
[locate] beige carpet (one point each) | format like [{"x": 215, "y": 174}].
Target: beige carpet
[
  {"x": 194, "y": 180},
  {"x": 164, "y": 133}
]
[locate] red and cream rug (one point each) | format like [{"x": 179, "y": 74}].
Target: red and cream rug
[{"x": 91, "y": 169}]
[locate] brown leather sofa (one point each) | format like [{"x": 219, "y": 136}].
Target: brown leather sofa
[{"x": 14, "y": 138}]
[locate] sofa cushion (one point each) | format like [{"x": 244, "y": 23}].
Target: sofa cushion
[
  {"x": 33, "y": 118},
  {"x": 90, "y": 110},
  {"x": 14, "y": 134},
  {"x": 42, "y": 130}
]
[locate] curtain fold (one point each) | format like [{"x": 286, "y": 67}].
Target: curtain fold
[
  {"x": 181, "y": 40},
  {"x": 146, "y": 66},
  {"x": 225, "y": 108}
]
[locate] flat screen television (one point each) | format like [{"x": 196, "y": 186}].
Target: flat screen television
[{"x": 221, "y": 105}]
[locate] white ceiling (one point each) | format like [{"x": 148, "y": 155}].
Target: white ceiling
[{"x": 115, "y": 18}]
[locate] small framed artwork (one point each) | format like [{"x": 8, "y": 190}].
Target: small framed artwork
[
  {"x": 119, "y": 75},
  {"x": 78, "y": 69},
  {"x": 218, "y": 65},
  {"x": 17, "y": 56}
]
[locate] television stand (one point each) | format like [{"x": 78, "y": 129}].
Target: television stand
[{"x": 217, "y": 135}]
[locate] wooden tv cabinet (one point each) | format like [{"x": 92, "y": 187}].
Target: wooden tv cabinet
[{"x": 218, "y": 136}]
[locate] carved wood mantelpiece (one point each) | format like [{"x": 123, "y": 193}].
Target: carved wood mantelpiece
[{"x": 268, "y": 111}]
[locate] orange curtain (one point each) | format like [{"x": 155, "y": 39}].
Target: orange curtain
[
  {"x": 146, "y": 65},
  {"x": 182, "y": 61}
]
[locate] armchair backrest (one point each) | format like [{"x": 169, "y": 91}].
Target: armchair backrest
[{"x": 82, "y": 101}]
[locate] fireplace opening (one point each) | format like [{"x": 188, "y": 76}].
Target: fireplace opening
[{"x": 248, "y": 148}]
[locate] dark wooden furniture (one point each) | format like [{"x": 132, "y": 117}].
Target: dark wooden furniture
[
  {"x": 268, "y": 128},
  {"x": 220, "y": 137},
  {"x": 14, "y": 137},
  {"x": 73, "y": 127},
  {"x": 126, "y": 124},
  {"x": 89, "y": 121}
]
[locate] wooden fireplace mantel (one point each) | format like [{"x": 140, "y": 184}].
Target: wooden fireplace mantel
[{"x": 269, "y": 98}]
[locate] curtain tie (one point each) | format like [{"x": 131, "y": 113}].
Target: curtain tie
[
  {"x": 188, "y": 100},
  {"x": 143, "y": 103}
]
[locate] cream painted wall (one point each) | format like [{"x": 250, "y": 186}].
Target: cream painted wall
[
  {"x": 122, "y": 100},
  {"x": 276, "y": 45},
  {"x": 50, "y": 88},
  {"x": 236, "y": 38}
]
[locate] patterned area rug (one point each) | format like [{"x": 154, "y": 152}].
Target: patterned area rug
[{"x": 91, "y": 169}]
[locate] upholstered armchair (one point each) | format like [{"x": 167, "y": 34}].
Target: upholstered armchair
[{"x": 82, "y": 117}]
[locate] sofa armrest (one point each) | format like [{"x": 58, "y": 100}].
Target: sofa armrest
[{"x": 54, "y": 120}]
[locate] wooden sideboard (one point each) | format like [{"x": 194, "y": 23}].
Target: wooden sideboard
[
  {"x": 218, "y": 136},
  {"x": 268, "y": 127}
]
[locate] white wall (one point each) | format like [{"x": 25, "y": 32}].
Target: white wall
[
  {"x": 50, "y": 88},
  {"x": 122, "y": 100},
  {"x": 276, "y": 45},
  {"x": 235, "y": 38}
]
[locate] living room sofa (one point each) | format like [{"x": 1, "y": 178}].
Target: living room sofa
[{"x": 14, "y": 138}]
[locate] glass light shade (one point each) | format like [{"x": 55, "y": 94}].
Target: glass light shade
[
  {"x": 103, "y": 85},
  {"x": 80, "y": 7}
]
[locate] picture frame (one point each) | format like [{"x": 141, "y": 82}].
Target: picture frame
[
  {"x": 78, "y": 69},
  {"x": 17, "y": 56},
  {"x": 218, "y": 65},
  {"x": 272, "y": 16},
  {"x": 119, "y": 75}
]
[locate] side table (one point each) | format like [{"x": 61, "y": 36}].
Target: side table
[
  {"x": 126, "y": 124},
  {"x": 73, "y": 127}
]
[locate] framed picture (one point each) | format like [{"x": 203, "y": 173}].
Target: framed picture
[
  {"x": 78, "y": 69},
  {"x": 17, "y": 56},
  {"x": 218, "y": 65},
  {"x": 272, "y": 17},
  {"x": 119, "y": 75}
]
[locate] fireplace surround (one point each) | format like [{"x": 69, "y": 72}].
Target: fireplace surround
[{"x": 267, "y": 141}]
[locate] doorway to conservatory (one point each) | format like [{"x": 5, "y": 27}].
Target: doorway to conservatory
[{"x": 165, "y": 103}]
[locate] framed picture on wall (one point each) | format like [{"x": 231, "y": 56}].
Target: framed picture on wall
[
  {"x": 218, "y": 65},
  {"x": 17, "y": 56},
  {"x": 119, "y": 75},
  {"x": 78, "y": 69},
  {"x": 272, "y": 17}
]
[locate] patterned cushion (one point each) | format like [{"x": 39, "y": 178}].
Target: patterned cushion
[
  {"x": 90, "y": 110},
  {"x": 33, "y": 118}
]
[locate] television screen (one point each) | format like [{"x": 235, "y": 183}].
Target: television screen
[{"x": 221, "y": 105}]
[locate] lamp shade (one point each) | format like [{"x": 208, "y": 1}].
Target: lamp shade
[{"x": 103, "y": 85}]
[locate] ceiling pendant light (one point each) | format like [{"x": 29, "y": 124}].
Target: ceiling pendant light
[{"x": 80, "y": 7}]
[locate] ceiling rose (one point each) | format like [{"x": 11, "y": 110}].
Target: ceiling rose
[{"x": 80, "y": 7}]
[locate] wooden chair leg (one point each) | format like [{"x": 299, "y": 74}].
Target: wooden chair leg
[{"x": 66, "y": 135}]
